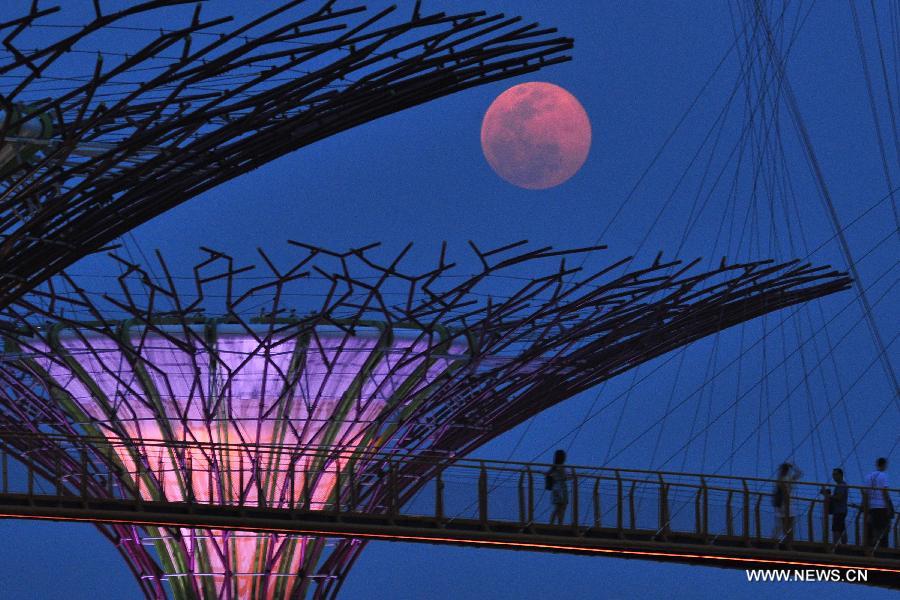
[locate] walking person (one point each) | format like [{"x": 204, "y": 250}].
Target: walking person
[
  {"x": 781, "y": 500},
  {"x": 879, "y": 507},
  {"x": 837, "y": 507},
  {"x": 556, "y": 482}
]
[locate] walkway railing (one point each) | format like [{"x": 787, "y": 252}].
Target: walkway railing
[{"x": 701, "y": 518}]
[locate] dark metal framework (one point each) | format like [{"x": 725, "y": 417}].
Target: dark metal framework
[
  {"x": 144, "y": 130},
  {"x": 483, "y": 353}
]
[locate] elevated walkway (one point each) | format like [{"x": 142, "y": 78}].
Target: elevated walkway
[{"x": 698, "y": 519}]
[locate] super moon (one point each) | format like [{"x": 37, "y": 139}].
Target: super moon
[{"x": 536, "y": 135}]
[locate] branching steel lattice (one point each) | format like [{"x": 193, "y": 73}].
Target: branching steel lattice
[
  {"x": 141, "y": 131},
  {"x": 267, "y": 406}
]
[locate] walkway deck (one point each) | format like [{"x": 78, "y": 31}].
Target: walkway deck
[{"x": 690, "y": 518}]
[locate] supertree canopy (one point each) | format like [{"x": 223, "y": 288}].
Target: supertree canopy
[
  {"x": 118, "y": 119},
  {"x": 281, "y": 389}
]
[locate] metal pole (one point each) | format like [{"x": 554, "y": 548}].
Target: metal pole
[
  {"x": 137, "y": 479},
  {"x": 809, "y": 521},
  {"x": 241, "y": 479},
  {"x": 729, "y": 515},
  {"x": 189, "y": 476},
  {"x": 351, "y": 481},
  {"x": 596, "y": 498},
  {"x": 522, "y": 508},
  {"x": 789, "y": 534},
  {"x": 575, "y": 501},
  {"x": 482, "y": 497},
  {"x": 307, "y": 492},
  {"x": 209, "y": 474},
  {"x": 705, "y": 491},
  {"x": 392, "y": 489},
  {"x": 758, "y": 523},
  {"x": 698, "y": 527},
  {"x": 337, "y": 486},
  {"x": 292, "y": 484},
  {"x": 530, "y": 496},
  {"x": 257, "y": 477},
  {"x": 161, "y": 484},
  {"x": 746, "y": 515},
  {"x": 619, "y": 500},
  {"x": 84, "y": 473},
  {"x": 631, "y": 513},
  {"x": 663, "y": 507},
  {"x": 439, "y": 498},
  {"x": 865, "y": 519}
]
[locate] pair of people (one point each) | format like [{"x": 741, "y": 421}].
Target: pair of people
[{"x": 878, "y": 505}]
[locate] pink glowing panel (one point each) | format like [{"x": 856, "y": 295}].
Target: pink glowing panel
[
  {"x": 236, "y": 390},
  {"x": 246, "y": 413}
]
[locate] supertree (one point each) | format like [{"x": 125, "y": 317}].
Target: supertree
[
  {"x": 115, "y": 121},
  {"x": 284, "y": 388}
]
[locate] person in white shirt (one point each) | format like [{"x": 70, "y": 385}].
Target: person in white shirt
[
  {"x": 781, "y": 500},
  {"x": 880, "y": 507}
]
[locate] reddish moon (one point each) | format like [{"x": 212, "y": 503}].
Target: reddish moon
[{"x": 536, "y": 135}]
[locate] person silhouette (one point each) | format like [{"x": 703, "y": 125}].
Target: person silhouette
[
  {"x": 880, "y": 509},
  {"x": 558, "y": 486},
  {"x": 781, "y": 500},
  {"x": 837, "y": 507}
]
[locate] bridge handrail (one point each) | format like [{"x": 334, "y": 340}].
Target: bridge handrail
[
  {"x": 705, "y": 508},
  {"x": 512, "y": 467}
]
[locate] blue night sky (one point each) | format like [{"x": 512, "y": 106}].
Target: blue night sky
[{"x": 420, "y": 176}]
